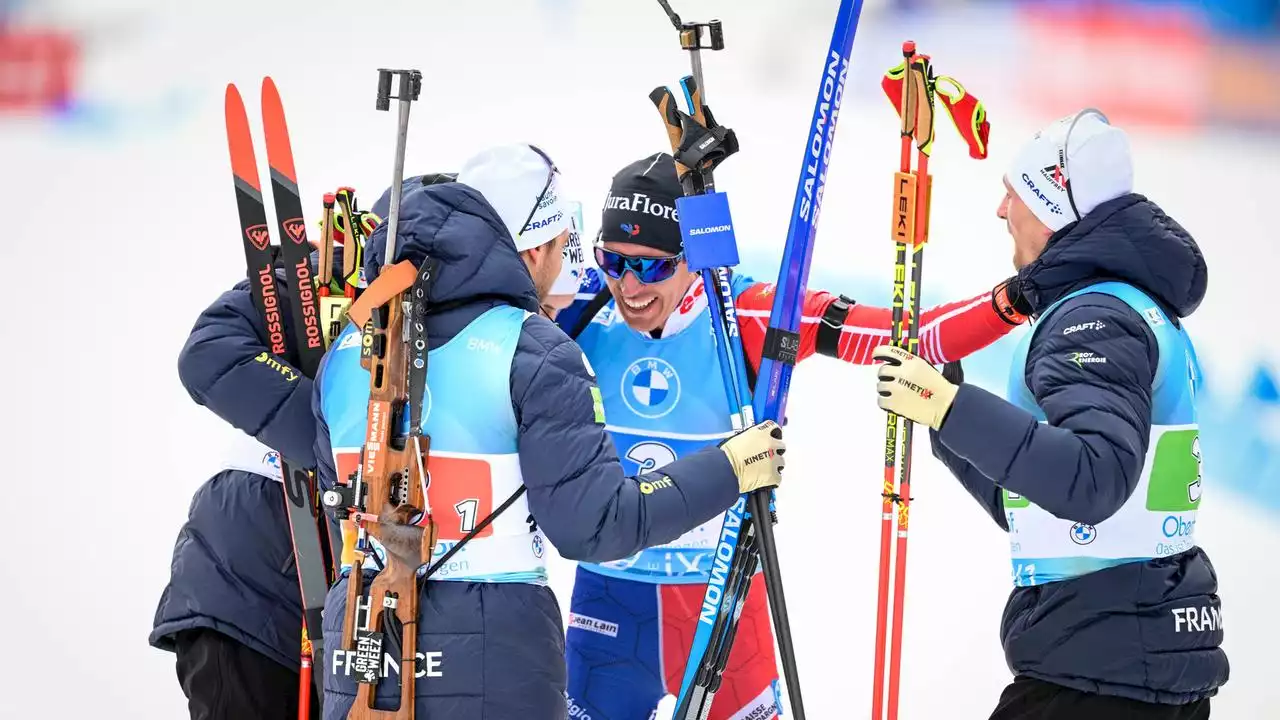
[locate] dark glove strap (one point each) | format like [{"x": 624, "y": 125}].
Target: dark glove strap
[
  {"x": 831, "y": 326},
  {"x": 699, "y": 145}
]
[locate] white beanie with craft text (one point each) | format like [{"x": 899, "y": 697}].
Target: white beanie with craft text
[
  {"x": 1096, "y": 162},
  {"x": 512, "y": 179}
]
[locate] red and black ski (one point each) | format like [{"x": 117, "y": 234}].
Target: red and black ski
[{"x": 313, "y": 559}]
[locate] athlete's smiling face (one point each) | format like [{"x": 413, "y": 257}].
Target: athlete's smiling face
[{"x": 646, "y": 307}]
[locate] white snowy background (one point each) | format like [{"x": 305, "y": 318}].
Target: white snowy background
[{"x": 119, "y": 228}]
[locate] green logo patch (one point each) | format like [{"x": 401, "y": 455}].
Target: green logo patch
[
  {"x": 1175, "y": 473},
  {"x": 1014, "y": 500},
  {"x": 597, "y": 403}
]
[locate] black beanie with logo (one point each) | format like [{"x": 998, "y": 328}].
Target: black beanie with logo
[{"x": 641, "y": 205}]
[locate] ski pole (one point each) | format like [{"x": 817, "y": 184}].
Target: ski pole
[
  {"x": 921, "y": 78},
  {"x": 353, "y": 241},
  {"x": 905, "y": 186},
  {"x": 711, "y": 256},
  {"x": 915, "y": 100}
]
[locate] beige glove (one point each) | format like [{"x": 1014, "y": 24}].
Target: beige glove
[
  {"x": 756, "y": 456},
  {"x": 912, "y": 388}
]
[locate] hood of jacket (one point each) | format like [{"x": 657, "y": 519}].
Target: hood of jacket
[
  {"x": 452, "y": 223},
  {"x": 1129, "y": 239}
]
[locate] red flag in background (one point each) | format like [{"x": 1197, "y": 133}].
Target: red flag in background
[
  {"x": 37, "y": 69},
  {"x": 1146, "y": 65}
]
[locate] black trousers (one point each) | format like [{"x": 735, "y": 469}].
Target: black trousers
[
  {"x": 224, "y": 680},
  {"x": 1029, "y": 699}
]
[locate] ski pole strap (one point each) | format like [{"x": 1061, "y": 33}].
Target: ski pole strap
[
  {"x": 594, "y": 306},
  {"x": 394, "y": 280},
  {"x": 918, "y": 116},
  {"x": 697, "y": 141},
  {"x": 475, "y": 531},
  {"x": 967, "y": 112},
  {"x": 831, "y": 326}
]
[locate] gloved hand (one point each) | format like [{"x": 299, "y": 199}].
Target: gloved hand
[
  {"x": 912, "y": 388},
  {"x": 756, "y": 456},
  {"x": 1009, "y": 302}
]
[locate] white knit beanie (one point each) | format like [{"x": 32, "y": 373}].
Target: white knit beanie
[
  {"x": 512, "y": 179},
  {"x": 1098, "y": 166}
]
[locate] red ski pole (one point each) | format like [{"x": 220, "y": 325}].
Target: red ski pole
[
  {"x": 910, "y": 228},
  {"x": 913, "y": 89}
]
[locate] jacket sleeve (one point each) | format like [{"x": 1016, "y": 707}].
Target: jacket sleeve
[
  {"x": 1094, "y": 386},
  {"x": 979, "y": 486},
  {"x": 226, "y": 367},
  {"x": 947, "y": 332},
  {"x": 326, "y": 469},
  {"x": 577, "y": 490}
]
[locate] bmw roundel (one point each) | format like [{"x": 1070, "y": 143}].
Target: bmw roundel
[
  {"x": 650, "y": 387},
  {"x": 1082, "y": 534}
]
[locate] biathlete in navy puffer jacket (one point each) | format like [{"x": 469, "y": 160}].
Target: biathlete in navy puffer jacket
[
  {"x": 232, "y": 610},
  {"x": 1093, "y": 462},
  {"x": 510, "y": 401}
]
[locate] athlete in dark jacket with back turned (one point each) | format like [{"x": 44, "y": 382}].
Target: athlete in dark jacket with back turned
[
  {"x": 511, "y": 403},
  {"x": 232, "y": 611}
]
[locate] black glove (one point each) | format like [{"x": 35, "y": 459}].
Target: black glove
[
  {"x": 953, "y": 373},
  {"x": 1009, "y": 303},
  {"x": 704, "y": 147}
]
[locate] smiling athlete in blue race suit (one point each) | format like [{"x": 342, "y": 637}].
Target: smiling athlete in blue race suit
[{"x": 645, "y": 325}]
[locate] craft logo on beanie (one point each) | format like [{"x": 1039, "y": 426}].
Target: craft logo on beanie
[
  {"x": 522, "y": 186},
  {"x": 640, "y": 207},
  {"x": 1071, "y": 167}
]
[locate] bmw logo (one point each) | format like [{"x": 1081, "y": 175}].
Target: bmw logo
[
  {"x": 537, "y": 545},
  {"x": 650, "y": 387},
  {"x": 1082, "y": 534}
]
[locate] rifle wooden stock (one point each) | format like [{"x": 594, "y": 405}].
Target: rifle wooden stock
[{"x": 389, "y": 493}]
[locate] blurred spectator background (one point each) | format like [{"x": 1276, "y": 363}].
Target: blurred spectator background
[{"x": 113, "y": 165}]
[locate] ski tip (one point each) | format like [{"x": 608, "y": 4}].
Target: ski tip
[
  {"x": 270, "y": 97},
  {"x": 232, "y": 99},
  {"x": 276, "y": 131},
  {"x": 240, "y": 140}
]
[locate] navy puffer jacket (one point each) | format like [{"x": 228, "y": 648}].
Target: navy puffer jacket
[{"x": 1124, "y": 630}]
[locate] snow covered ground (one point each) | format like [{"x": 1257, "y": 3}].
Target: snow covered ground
[{"x": 121, "y": 228}]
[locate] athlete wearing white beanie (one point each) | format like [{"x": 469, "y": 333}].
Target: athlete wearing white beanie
[{"x": 1071, "y": 457}]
